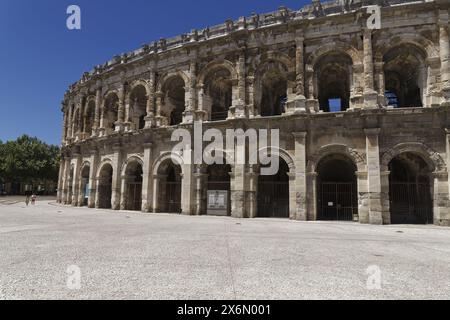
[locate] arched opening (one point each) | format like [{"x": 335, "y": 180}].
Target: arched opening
[
  {"x": 138, "y": 107},
  {"x": 273, "y": 193},
  {"x": 219, "y": 190},
  {"x": 84, "y": 185},
  {"x": 218, "y": 94},
  {"x": 89, "y": 118},
  {"x": 405, "y": 76},
  {"x": 110, "y": 113},
  {"x": 174, "y": 99},
  {"x": 170, "y": 180},
  {"x": 105, "y": 187},
  {"x": 273, "y": 90},
  {"x": 133, "y": 175},
  {"x": 70, "y": 188},
  {"x": 337, "y": 192},
  {"x": 76, "y": 123},
  {"x": 410, "y": 190},
  {"x": 333, "y": 76}
]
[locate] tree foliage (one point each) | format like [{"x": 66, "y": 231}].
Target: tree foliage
[{"x": 28, "y": 160}]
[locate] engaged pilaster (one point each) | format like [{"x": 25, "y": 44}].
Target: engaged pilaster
[
  {"x": 298, "y": 192},
  {"x": 370, "y": 95},
  {"x": 373, "y": 176},
  {"x": 444, "y": 42}
]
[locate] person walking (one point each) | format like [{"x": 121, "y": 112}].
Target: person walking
[
  {"x": 27, "y": 197},
  {"x": 33, "y": 199}
]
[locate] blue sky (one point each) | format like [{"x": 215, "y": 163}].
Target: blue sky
[{"x": 40, "y": 57}]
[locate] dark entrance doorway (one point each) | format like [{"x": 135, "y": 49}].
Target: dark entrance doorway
[
  {"x": 410, "y": 190},
  {"x": 273, "y": 194},
  {"x": 219, "y": 180},
  {"x": 134, "y": 187},
  {"x": 84, "y": 185},
  {"x": 337, "y": 195},
  {"x": 170, "y": 188},
  {"x": 105, "y": 187}
]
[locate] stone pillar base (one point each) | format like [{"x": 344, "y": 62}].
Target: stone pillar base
[
  {"x": 445, "y": 97},
  {"x": 162, "y": 121},
  {"x": 188, "y": 117},
  {"x": 119, "y": 127},
  {"x": 312, "y": 105},
  {"x": 149, "y": 121},
  {"x": 371, "y": 100}
]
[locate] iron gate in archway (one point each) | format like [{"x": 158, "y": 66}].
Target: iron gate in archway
[
  {"x": 172, "y": 200},
  {"x": 337, "y": 201},
  {"x": 411, "y": 203},
  {"x": 134, "y": 199},
  {"x": 273, "y": 199}
]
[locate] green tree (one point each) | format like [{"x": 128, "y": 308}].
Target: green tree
[{"x": 28, "y": 160}]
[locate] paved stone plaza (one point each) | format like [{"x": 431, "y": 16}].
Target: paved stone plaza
[{"x": 130, "y": 255}]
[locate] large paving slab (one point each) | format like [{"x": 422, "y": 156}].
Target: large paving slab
[{"x": 126, "y": 255}]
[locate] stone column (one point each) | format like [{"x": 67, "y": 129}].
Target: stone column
[
  {"x": 239, "y": 109},
  {"x": 123, "y": 192},
  {"x": 374, "y": 176},
  {"x": 251, "y": 198},
  {"x": 370, "y": 95},
  {"x": 200, "y": 185},
  {"x": 363, "y": 197},
  {"x": 119, "y": 125},
  {"x": 65, "y": 191},
  {"x": 186, "y": 189},
  {"x": 298, "y": 193},
  {"x": 237, "y": 191},
  {"x": 311, "y": 191},
  {"x": 92, "y": 179},
  {"x": 156, "y": 181},
  {"x": 60, "y": 195},
  {"x": 79, "y": 134},
  {"x": 117, "y": 165},
  {"x": 312, "y": 104},
  {"x": 81, "y": 194},
  {"x": 379, "y": 74},
  {"x": 76, "y": 178},
  {"x": 444, "y": 42},
  {"x": 65, "y": 125},
  {"x": 441, "y": 201},
  {"x": 98, "y": 102},
  {"x": 161, "y": 121},
  {"x": 127, "y": 126},
  {"x": 191, "y": 94},
  {"x": 69, "y": 123},
  {"x": 385, "y": 197},
  {"x": 299, "y": 104},
  {"x": 147, "y": 175},
  {"x": 150, "y": 118}
]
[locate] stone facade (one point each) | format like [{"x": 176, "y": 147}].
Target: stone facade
[{"x": 363, "y": 116}]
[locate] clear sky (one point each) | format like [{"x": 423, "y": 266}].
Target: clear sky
[{"x": 40, "y": 57}]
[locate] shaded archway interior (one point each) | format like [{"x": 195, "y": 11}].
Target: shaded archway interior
[
  {"x": 337, "y": 194},
  {"x": 333, "y": 75},
  {"x": 410, "y": 190},
  {"x": 105, "y": 187},
  {"x": 170, "y": 180},
  {"x": 134, "y": 180},
  {"x": 218, "y": 90},
  {"x": 273, "y": 193},
  {"x": 404, "y": 76}
]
